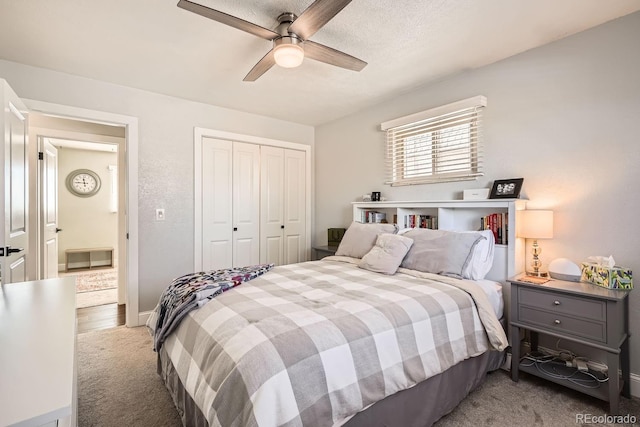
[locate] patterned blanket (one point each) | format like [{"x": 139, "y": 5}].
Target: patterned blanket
[
  {"x": 192, "y": 291},
  {"x": 314, "y": 343}
]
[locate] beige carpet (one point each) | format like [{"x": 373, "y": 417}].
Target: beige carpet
[
  {"x": 118, "y": 386},
  {"x": 117, "y": 381}
]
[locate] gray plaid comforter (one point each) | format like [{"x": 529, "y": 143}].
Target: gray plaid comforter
[{"x": 314, "y": 343}]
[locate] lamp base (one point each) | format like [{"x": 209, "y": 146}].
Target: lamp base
[{"x": 538, "y": 274}]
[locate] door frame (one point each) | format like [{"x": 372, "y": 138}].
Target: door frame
[
  {"x": 200, "y": 133},
  {"x": 127, "y": 235}
]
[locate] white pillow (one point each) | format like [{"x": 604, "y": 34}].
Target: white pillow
[
  {"x": 360, "y": 238},
  {"x": 387, "y": 254},
  {"x": 481, "y": 257},
  {"x": 441, "y": 252}
]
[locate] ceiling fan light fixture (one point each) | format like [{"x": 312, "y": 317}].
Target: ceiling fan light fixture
[{"x": 288, "y": 55}]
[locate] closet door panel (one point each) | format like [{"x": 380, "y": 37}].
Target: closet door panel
[
  {"x": 294, "y": 206},
  {"x": 217, "y": 221},
  {"x": 246, "y": 204},
  {"x": 272, "y": 252},
  {"x": 272, "y": 205}
]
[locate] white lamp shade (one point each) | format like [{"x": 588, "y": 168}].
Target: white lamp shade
[
  {"x": 534, "y": 224},
  {"x": 288, "y": 55}
]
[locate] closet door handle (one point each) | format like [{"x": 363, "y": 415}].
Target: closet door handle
[
  {"x": 282, "y": 226},
  {"x": 235, "y": 228}
]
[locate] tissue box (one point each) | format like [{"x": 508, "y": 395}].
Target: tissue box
[{"x": 612, "y": 278}]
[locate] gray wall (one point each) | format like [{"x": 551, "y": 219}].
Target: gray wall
[
  {"x": 564, "y": 116},
  {"x": 165, "y": 158}
]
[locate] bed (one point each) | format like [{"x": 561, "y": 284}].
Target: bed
[{"x": 353, "y": 339}]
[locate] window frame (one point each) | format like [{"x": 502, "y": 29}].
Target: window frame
[{"x": 431, "y": 124}]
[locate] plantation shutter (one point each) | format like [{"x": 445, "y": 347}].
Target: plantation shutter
[{"x": 438, "y": 145}]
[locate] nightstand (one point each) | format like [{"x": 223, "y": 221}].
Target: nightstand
[
  {"x": 323, "y": 251},
  {"x": 577, "y": 312}
]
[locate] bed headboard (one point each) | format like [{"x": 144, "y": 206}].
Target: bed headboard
[{"x": 458, "y": 215}]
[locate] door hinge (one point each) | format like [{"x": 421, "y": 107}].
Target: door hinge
[{"x": 40, "y": 155}]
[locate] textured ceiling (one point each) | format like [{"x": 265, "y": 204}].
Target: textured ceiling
[{"x": 156, "y": 46}]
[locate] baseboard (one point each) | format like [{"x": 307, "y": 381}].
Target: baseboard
[
  {"x": 143, "y": 317},
  {"x": 635, "y": 385}
]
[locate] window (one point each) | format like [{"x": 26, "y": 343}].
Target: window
[{"x": 438, "y": 145}]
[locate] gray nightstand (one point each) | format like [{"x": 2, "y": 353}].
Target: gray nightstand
[
  {"x": 323, "y": 251},
  {"x": 578, "y": 312}
]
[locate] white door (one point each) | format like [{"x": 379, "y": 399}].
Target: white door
[
  {"x": 246, "y": 204},
  {"x": 217, "y": 199},
  {"x": 294, "y": 206},
  {"x": 13, "y": 197},
  {"x": 272, "y": 205},
  {"x": 49, "y": 210},
  {"x": 283, "y": 216}
]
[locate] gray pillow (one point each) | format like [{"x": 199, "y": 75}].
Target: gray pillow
[
  {"x": 387, "y": 254},
  {"x": 360, "y": 238},
  {"x": 440, "y": 251}
]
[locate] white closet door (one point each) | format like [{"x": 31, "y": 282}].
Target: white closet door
[
  {"x": 246, "y": 204},
  {"x": 217, "y": 220},
  {"x": 294, "y": 206},
  {"x": 272, "y": 205}
]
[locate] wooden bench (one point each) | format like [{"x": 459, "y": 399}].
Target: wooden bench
[{"x": 88, "y": 258}]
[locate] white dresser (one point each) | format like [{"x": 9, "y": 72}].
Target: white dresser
[{"x": 38, "y": 353}]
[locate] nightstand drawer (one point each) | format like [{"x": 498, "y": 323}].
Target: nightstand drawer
[
  {"x": 555, "y": 322},
  {"x": 565, "y": 304}
]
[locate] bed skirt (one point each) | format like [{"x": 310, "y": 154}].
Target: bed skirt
[{"x": 422, "y": 405}]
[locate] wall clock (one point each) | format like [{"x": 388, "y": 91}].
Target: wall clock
[{"x": 83, "y": 182}]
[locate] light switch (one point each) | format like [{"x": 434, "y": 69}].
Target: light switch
[{"x": 159, "y": 214}]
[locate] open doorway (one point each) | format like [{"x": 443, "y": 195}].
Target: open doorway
[
  {"x": 128, "y": 197},
  {"x": 79, "y": 211},
  {"x": 87, "y": 226}
]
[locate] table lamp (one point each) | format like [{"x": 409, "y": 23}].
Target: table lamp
[{"x": 535, "y": 224}]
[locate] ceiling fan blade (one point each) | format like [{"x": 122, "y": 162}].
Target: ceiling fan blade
[
  {"x": 229, "y": 20},
  {"x": 316, "y": 16},
  {"x": 261, "y": 67},
  {"x": 325, "y": 54}
]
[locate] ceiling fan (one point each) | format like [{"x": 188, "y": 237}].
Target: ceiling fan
[{"x": 290, "y": 39}]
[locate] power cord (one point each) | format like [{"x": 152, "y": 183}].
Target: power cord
[
  {"x": 572, "y": 360},
  {"x": 550, "y": 365}
]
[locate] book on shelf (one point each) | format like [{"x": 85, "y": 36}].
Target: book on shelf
[
  {"x": 420, "y": 221},
  {"x": 498, "y": 223},
  {"x": 374, "y": 216}
]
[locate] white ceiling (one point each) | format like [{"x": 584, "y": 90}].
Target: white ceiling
[{"x": 156, "y": 46}]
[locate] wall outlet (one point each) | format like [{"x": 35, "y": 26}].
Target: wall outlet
[{"x": 159, "y": 214}]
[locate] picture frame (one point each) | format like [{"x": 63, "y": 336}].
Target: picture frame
[{"x": 506, "y": 188}]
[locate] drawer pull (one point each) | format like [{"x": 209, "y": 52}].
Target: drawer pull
[
  {"x": 557, "y": 322},
  {"x": 556, "y": 302}
]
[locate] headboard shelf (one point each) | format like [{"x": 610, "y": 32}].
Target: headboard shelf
[{"x": 458, "y": 215}]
